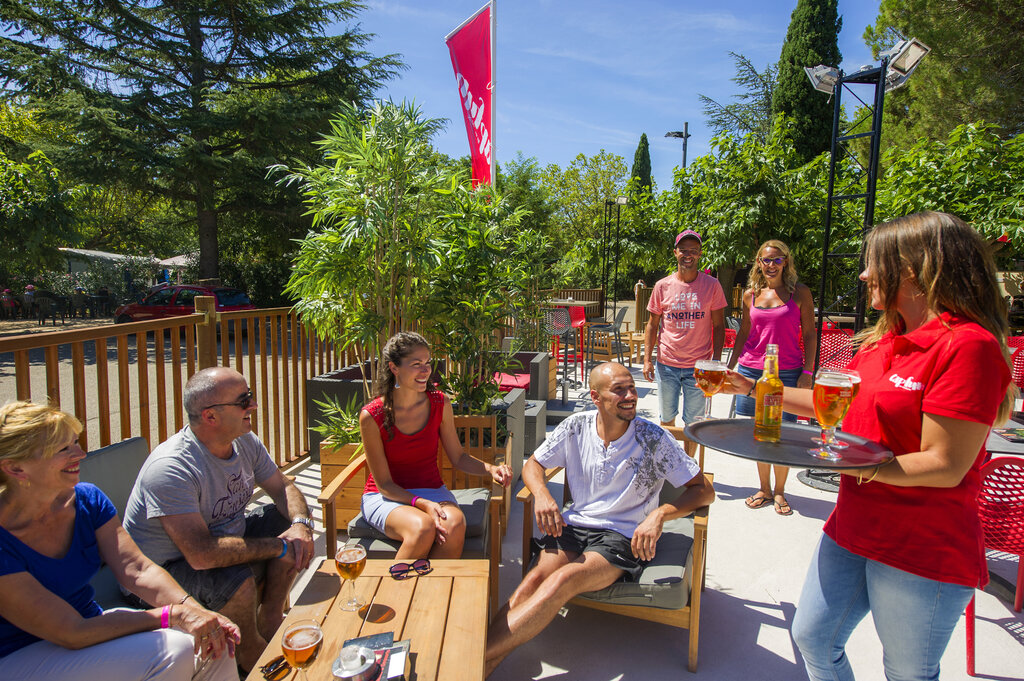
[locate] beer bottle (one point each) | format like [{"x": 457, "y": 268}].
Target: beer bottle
[{"x": 768, "y": 392}]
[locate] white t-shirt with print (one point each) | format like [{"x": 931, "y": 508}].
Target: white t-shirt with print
[{"x": 614, "y": 487}]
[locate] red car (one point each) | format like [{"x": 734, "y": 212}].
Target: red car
[{"x": 174, "y": 301}]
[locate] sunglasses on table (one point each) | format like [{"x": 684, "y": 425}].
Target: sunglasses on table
[
  {"x": 406, "y": 570},
  {"x": 773, "y": 261},
  {"x": 243, "y": 402},
  {"x": 276, "y": 669}
]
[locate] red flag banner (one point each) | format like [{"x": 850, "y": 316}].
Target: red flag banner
[{"x": 470, "y": 49}]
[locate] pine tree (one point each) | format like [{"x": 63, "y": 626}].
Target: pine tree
[
  {"x": 642, "y": 165},
  {"x": 190, "y": 100},
  {"x": 812, "y": 39}
]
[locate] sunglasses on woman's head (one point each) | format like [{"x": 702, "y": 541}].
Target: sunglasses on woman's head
[
  {"x": 276, "y": 669},
  {"x": 405, "y": 570},
  {"x": 773, "y": 261}
]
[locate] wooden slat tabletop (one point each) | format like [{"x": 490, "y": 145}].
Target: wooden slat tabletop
[{"x": 444, "y": 614}]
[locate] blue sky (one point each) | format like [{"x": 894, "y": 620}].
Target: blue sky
[{"x": 578, "y": 77}]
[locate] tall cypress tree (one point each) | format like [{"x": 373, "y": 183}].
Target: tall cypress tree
[
  {"x": 189, "y": 100},
  {"x": 812, "y": 39},
  {"x": 642, "y": 165}
]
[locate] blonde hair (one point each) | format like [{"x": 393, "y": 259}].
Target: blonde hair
[
  {"x": 758, "y": 281},
  {"x": 28, "y": 429},
  {"x": 953, "y": 268}
]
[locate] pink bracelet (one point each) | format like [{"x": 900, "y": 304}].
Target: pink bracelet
[
  {"x": 165, "y": 617},
  {"x": 414, "y": 500}
]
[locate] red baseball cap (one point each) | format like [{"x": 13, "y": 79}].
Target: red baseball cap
[{"x": 688, "y": 234}]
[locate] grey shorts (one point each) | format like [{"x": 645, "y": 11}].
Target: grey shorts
[
  {"x": 213, "y": 588},
  {"x": 376, "y": 508},
  {"x": 615, "y": 548}
]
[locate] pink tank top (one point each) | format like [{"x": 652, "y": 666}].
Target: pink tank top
[
  {"x": 779, "y": 325},
  {"x": 412, "y": 459}
]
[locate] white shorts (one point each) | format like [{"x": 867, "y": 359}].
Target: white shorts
[{"x": 376, "y": 508}]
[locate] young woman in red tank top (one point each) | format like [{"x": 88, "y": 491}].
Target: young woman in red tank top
[{"x": 404, "y": 496}]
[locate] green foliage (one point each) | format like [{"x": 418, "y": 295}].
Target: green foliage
[
  {"x": 745, "y": 192},
  {"x": 36, "y": 213},
  {"x": 641, "y": 171},
  {"x": 752, "y": 112},
  {"x": 190, "y": 100},
  {"x": 973, "y": 73},
  {"x": 338, "y": 425},
  {"x": 360, "y": 274},
  {"x": 812, "y": 39},
  {"x": 973, "y": 174}
]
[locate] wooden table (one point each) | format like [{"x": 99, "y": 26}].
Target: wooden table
[{"x": 444, "y": 614}]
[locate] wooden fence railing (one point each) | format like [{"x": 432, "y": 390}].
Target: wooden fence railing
[{"x": 127, "y": 379}]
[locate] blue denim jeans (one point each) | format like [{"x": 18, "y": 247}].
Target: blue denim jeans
[
  {"x": 672, "y": 381},
  {"x": 914, "y": 616},
  {"x": 745, "y": 405}
]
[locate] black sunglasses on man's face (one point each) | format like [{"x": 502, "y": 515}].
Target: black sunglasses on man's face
[{"x": 243, "y": 402}]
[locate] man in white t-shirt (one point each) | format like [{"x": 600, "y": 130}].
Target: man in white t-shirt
[
  {"x": 615, "y": 465},
  {"x": 688, "y": 309}
]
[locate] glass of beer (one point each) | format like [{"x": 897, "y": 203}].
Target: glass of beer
[
  {"x": 710, "y": 375},
  {"x": 301, "y": 643},
  {"x": 833, "y": 392},
  {"x": 350, "y": 561}
]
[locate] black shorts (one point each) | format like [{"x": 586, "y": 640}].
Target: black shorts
[
  {"x": 213, "y": 588},
  {"x": 615, "y": 548}
]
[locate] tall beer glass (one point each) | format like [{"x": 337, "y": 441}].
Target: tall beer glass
[
  {"x": 833, "y": 391},
  {"x": 350, "y": 561},
  {"x": 301, "y": 643},
  {"x": 710, "y": 375}
]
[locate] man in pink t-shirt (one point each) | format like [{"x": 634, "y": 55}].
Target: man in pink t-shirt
[{"x": 687, "y": 307}]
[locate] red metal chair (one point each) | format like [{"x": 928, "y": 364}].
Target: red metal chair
[
  {"x": 1001, "y": 510},
  {"x": 836, "y": 348},
  {"x": 578, "y": 315},
  {"x": 1016, "y": 343}
]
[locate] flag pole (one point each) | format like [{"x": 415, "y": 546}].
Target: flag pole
[{"x": 494, "y": 91}]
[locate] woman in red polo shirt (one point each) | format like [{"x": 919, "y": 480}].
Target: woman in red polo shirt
[
  {"x": 904, "y": 541},
  {"x": 404, "y": 496}
]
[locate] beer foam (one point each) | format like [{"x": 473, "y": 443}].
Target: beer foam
[
  {"x": 834, "y": 380},
  {"x": 351, "y": 555},
  {"x": 303, "y": 638}
]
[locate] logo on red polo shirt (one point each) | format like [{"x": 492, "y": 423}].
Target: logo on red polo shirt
[{"x": 906, "y": 383}]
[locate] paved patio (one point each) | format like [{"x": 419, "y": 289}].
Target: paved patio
[{"x": 756, "y": 565}]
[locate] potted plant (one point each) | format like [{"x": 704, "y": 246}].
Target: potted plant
[{"x": 338, "y": 427}]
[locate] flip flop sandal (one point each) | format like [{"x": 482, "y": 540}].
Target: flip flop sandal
[
  {"x": 783, "y": 508},
  {"x": 754, "y": 501}
]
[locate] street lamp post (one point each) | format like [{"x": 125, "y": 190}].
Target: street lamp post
[
  {"x": 620, "y": 201},
  {"x": 683, "y": 134}
]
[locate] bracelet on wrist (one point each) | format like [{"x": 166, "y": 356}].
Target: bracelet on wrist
[
  {"x": 284, "y": 548},
  {"x": 165, "y": 617},
  {"x": 809, "y": 373},
  {"x": 185, "y": 598},
  {"x": 751, "y": 391},
  {"x": 414, "y": 500}
]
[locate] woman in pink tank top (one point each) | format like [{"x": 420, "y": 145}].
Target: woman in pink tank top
[
  {"x": 777, "y": 309},
  {"x": 404, "y": 496}
]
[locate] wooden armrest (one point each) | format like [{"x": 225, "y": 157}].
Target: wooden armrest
[
  {"x": 525, "y": 493},
  {"x": 332, "y": 490},
  {"x": 700, "y": 515}
]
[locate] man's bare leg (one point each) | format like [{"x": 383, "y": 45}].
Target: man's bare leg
[
  {"x": 276, "y": 585},
  {"x": 241, "y": 609},
  {"x": 519, "y": 623}
]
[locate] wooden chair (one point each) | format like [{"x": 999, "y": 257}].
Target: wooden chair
[
  {"x": 484, "y": 503},
  {"x": 669, "y": 588}
]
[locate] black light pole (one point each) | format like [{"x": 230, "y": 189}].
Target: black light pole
[
  {"x": 608, "y": 203},
  {"x": 620, "y": 201},
  {"x": 683, "y": 134}
]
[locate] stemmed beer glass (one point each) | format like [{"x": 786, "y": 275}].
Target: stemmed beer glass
[
  {"x": 350, "y": 561},
  {"x": 301, "y": 643},
  {"x": 710, "y": 375},
  {"x": 833, "y": 392}
]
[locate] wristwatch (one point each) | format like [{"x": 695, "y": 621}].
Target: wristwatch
[{"x": 308, "y": 522}]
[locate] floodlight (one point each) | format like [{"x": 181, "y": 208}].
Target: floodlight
[
  {"x": 904, "y": 57},
  {"x": 823, "y": 78},
  {"x": 621, "y": 200}
]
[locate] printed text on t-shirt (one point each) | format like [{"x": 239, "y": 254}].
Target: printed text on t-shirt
[{"x": 906, "y": 383}]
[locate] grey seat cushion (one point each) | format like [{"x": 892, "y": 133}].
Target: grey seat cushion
[
  {"x": 472, "y": 503},
  {"x": 665, "y": 581}
]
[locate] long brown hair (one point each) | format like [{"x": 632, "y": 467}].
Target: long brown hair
[
  {"x": 952, "y": 266},
  {"x": 757, "y": 279},
  {"x": 395, "y": 350}
]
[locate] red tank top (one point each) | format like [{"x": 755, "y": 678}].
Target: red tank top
[{"x": 412, "y": 459}]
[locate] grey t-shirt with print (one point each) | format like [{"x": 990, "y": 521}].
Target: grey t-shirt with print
[{"x": 182, "y": 476}]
